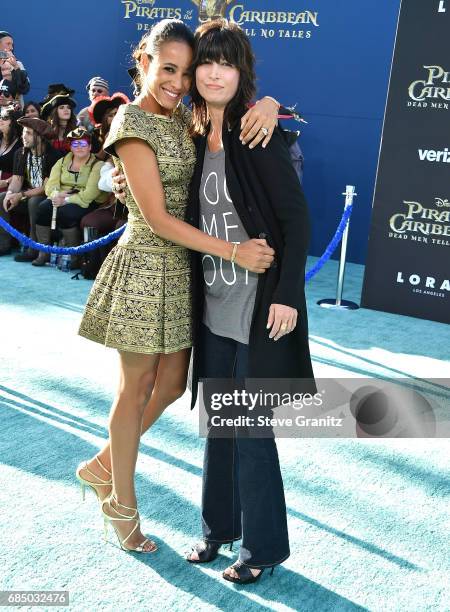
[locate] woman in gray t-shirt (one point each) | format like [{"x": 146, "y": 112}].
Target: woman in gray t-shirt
[{"x": 245, "y": 327}]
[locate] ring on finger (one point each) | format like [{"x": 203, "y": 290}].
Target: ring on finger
[
  {"x": 264, "y": 130},
  {"x": 284, "y": 327}
]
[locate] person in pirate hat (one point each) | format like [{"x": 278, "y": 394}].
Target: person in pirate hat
[
  {"x": 9, "y": 143},
  {"x": 72, "y": 188},
  {"x": 59, "y": 113},
  {"x": 101, "y": 113},
  {"x": 7, "y": 93},
  {"x": 32, "y": 165},
  {"x": 56, "y": 88}
]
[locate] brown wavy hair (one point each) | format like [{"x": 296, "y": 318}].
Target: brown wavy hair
[{"x": 219, "y": 40}]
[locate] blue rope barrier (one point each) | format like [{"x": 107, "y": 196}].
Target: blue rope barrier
[
  {"x": 48, "y": 248},
  {"x": 333, "y": 244},
  {"x": 90, "y": 246}
]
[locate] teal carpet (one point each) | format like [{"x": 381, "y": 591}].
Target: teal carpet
[{"x": 368, "y": 519}]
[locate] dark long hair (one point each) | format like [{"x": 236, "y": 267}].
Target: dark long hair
[
  {"x": 15, "y": 131},
  {"x": 54, "y": 122},
  {"x": 104, "y": 125},
  {"x": 101, "y": 133},
  {"x": 36, "y": 105},
  {"x": 23, "y": 154},
  {"x": 219, "y": 40},
  {"x": 166, "y": 30}
]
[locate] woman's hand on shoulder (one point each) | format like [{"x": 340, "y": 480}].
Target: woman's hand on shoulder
[
  {"x": 259, "y": 122},
  {"x": 254, "y": 255},
  {"x": 118, "y": 184},
  {"x": 282, "y": 319}
]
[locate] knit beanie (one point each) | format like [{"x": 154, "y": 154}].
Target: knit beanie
[{"x": 99, "y": 81}]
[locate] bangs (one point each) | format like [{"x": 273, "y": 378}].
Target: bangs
[
  {"x": 216, "y": 46},
  {"x": 220, "y": 41}
]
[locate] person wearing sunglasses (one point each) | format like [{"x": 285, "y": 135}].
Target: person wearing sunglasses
[
  {"x": 9, "y": 144},
  {"x": 96, "y": 87},
  {"x": 72, "y": 189},
  {"x": 6, "y": 93}
]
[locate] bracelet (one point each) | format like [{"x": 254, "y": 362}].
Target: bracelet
[
  {"x": 233, "y": 254},
  {"x": 273, "y": 100}
]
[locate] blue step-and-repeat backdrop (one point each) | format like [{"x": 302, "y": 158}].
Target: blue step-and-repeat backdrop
[{"x": 331, "y": 57}]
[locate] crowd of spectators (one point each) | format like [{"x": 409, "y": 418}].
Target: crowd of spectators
[{"x": 55, "y": 177}]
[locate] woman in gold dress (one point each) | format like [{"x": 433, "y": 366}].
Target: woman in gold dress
[{"x": 140, "y": 303}]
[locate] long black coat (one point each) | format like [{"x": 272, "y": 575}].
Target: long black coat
[{"x": 269, "y": 200}]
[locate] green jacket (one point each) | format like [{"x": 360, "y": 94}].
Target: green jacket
[{"x": 61, "y": 179}]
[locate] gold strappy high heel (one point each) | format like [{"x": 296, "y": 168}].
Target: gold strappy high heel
[
  {"x": 107, "y": 519},
  {"x": 87, "y": 483}
]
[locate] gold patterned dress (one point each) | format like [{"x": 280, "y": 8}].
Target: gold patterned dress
[{"x": 140, "y": 301}]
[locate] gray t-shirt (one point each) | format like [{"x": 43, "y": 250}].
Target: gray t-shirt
[{"x": 229, "y": 289}]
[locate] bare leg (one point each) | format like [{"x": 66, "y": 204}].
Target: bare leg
[
  {"x": 170, "y": 385},
  {"x": 137, "y": 378}
]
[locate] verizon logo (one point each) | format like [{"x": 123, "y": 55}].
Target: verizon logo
[{"x": 434, "y": 156}]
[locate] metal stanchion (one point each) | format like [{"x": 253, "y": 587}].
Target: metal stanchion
[{"x": 339, "y": 303}]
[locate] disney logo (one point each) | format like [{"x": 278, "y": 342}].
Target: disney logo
[{"x": 440, "y": 203}]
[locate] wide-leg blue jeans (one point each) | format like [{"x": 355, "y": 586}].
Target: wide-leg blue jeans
[{"x": 243, "y": 495}]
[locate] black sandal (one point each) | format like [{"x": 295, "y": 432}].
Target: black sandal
[
  {"x": 244, "y": 573},
  {"x": 206, "y": 551}
]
